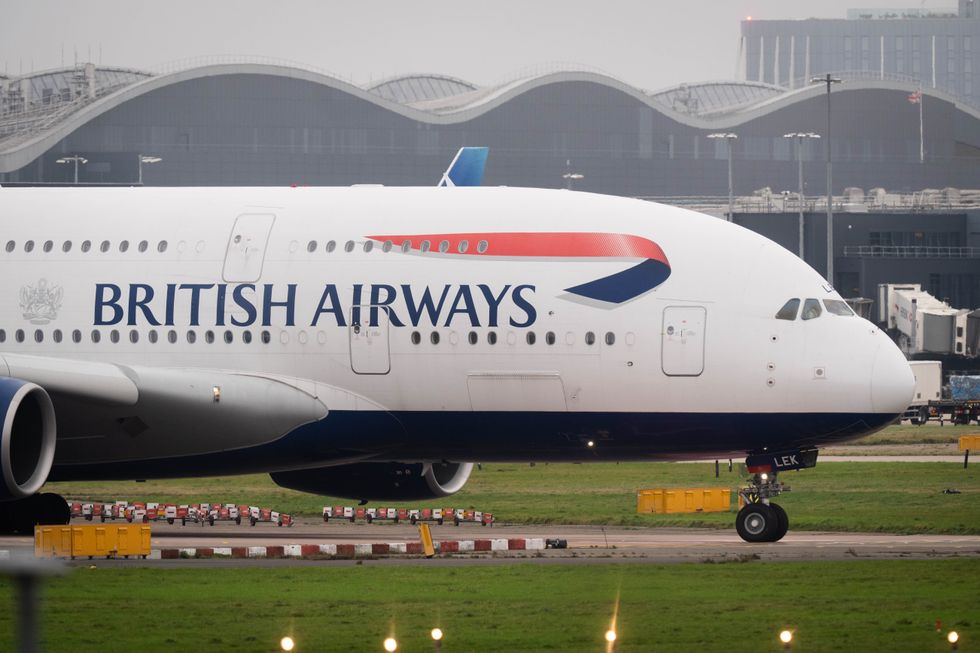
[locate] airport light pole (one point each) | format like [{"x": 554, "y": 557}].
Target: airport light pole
[
  {"x": 729, "y": 137},
  {"x": 76, "y": 159},
  {"x": 799, "y": 136},
  {"x": 146, "y": 159},
  {"x": 829, "y": 80}
]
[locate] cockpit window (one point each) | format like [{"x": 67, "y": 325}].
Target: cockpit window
[
  {"x": 811, "y": 309},
  {"x": 789, "y": 310},
  {"x": 837, "y": 307}
]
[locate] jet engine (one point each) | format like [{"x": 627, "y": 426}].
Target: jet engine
[
  {"x": 380, "y": 481},
  {"x": 27, "y": 440}
]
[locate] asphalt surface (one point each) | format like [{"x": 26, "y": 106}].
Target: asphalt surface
[{"x": 586, "y": 544}]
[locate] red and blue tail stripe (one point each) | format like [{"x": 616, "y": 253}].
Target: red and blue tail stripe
[{"x": 652, "y": 269}]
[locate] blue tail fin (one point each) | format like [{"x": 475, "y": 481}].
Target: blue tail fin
[{"x": 466, "y": 168}]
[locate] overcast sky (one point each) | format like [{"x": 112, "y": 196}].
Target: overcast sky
[{"x": 649, "y": 43}]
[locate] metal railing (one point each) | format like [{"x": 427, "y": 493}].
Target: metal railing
[{"x": 909, "y": 251}]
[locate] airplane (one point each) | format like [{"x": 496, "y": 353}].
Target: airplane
[
  {"x": 466, "y": 168},
  {"x": 373, "y": 342}
]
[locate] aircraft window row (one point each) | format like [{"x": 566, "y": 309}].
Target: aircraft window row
[
  {"x": 57, "y": 335},
  {"x": 85, "y": 246},
  {"x": 812, "y": 309},
  {"x": 530, "y": 337},
  {"x": 462, "y": 247}
]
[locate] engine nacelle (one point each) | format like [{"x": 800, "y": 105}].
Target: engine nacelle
[
  {"x": 380, "y": 481},
  {"x": 27, "y": 440}
]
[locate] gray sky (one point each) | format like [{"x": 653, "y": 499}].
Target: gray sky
[{"x": 649, "y": 43}]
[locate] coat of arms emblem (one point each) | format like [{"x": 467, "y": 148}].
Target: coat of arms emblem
[{"x": 41, "y": 303}]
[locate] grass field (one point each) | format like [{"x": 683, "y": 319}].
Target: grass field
[
  {"x": 831, "y": 606},
  {"x": 887, "y": 497}
]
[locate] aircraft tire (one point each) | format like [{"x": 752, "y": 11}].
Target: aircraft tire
[
  {"x": 782, "y": 522},
  {"x": 756, "y": 522}
]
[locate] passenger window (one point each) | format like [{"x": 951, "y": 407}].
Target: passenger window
[
  {"x": 114, "y": 335},
  {"x": 789, "y": 310},
  {"x": 104, "y": 247},
  {"x": 86, "y": 245},
  {"x": 473, "y": 337},
  {"x": 96, "y": 336},
  {"x": 172, "y": 337},
  {"x": 481, "y": 246},
  {"x": 152, "y": 335},
  {"x": 134, "y": 336},
  {"x": 209, "y": 337},
  {"x": 124, "y": 246},
  {"x": 66, "y": 246},
  {"x": 56, "y": 335},
  {"x": 444, "y": 247},
  {"x": 610, "y": 338},
  {"x": 386, "y": 247},
  {"x": 29, "y": 246},
  {"x": 416, "y": 337},
  {"x": 589, "y": 338},
  {"x": 266, "y": 337},
  {"x": 349, "y": 246},
  {"x": 191, "y": 337},
  {"x": 76, "y": 336},
  {"x": 10, "y": 246},
  {"x": 550, "y": 337},
  {"x": 531, "y": 338},
  {"x": 19, "y": 335},
  {"x": 48, "y": 246},
  {"x": 811, "y": 309},
  {"x": 331, "y": 245},
  {"x": 368, "y": 246},
  {"x": 247, "y": 337},
  {"x": 492, "y": 337},
  {"x": 162, "y": 246},
  {"x": 311, "y": 246},
  {"x": 228, "y": 337},
  {"x": 38, "y": 335},
  {"x": 837, "y": 307},
  {"x": 143, "y": 246},
  {"x": 3, "y": 335},
  {"x": 407, "y": 246},
  {"x": 425, "y": 246},
  {"x": 463, "y": 246},
  {"x": 434, "y": 338}
]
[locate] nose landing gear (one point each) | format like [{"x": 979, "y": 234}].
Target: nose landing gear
[{"x": 761, "y": 520}]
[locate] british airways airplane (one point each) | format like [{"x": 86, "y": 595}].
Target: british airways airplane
[{"x": 373, "y": 342}]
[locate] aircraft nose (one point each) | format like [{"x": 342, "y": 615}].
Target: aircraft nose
[{"x": 892, "y": 381}]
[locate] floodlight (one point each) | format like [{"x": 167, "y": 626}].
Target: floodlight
[
  {"x": 287, "y": 643},
  {"x": 610, "y": 636},
  {"x": 436, "y": 634},
  {"x": 786, "y": 637},
  {"x": 391, "y": 645},
  {"x": 953, "y": 637}
]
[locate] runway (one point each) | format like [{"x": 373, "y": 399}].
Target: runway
[{"x": 585, "y": 543}]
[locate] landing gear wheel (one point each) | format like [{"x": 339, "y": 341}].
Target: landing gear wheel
[
  {"x": 756, "y": 522},
  {"x": 782, "y": 522}
]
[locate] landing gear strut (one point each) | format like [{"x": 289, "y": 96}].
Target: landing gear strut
[
  {"x": 761, "y": 520},
  {"x": 20, "y": 516}
]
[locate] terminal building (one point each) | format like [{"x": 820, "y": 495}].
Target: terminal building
[
  {"x": 235, "y": 122},
  {"x": 934, "y": 49}
]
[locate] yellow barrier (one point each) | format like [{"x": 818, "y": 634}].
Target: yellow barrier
[
  {"x": 92, "y": 541},
  {"x": 427, "y": 545},
  {"x": 683, "y": 500},
  {"x": 970, "y": 443}
]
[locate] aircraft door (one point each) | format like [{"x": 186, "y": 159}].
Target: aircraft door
[
  {"x": 246, "y": 247},
  {"x": 683, "y": 340},
  {"x": 369, "y": 347}
]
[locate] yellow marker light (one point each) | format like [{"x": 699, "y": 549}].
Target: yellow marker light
[
  {"x": 953, "y": 637},
  {"x": 391, "y": 645},
  {"x": 610, "y": 636},
  {"x": 436, "y": 634},
  {"x": 287, "y": 643},
  {"x": 786, "y": 637}
]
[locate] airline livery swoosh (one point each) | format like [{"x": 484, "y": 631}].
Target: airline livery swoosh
[{"x": 652, "y": 269}]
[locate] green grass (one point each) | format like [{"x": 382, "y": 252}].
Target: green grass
[
  {"x": 885, "y": 497},
  {"x": 931, "y": 433},
  {"x": 831, "y": 606}
]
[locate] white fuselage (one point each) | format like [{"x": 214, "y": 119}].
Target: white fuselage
[{"x": 241, "y": 280}]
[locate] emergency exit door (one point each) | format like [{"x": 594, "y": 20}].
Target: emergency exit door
[
  {"x": 246, "y": 247},
  {"x": 683, "y": 340},
  {"x": 369, "y": 348}
]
